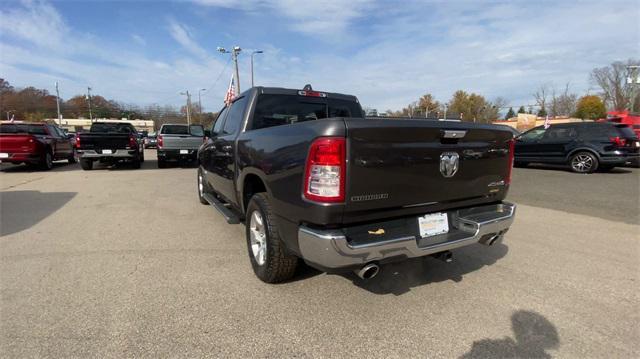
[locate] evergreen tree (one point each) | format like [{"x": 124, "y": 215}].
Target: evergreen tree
[
  {"x": 510, "y": 114},
  {"x": 522, "y": 110}
]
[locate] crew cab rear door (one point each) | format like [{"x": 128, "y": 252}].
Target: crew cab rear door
[{"x": 221, "y": 151}]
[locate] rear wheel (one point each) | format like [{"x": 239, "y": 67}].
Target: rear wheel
[
  {"x": 161, "y": 163},
  {"x": 202, "y": 187},
  {"x": 584, "y": 162},
  {"x": 269, "y": 258},
  {"x": 86, "y": 164},
  {"x": 47, "y": 161},
  {"x": 142, "y": 156}
]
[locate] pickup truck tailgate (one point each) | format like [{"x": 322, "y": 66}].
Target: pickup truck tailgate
[
  {"x": 181, "y": 142},
  {"x": 100, "y": 140},
  {"x": 396, "y": 164},
  {"x": 16, "y": 143}
]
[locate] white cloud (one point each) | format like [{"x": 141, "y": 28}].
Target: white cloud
[
  {"x": 329, "y": 18},
  {"x": 184, "y": 37},
  {"x": 139, "y": 39},
  {"x": 36, "y": 21}
]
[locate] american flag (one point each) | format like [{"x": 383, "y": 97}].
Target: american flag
[
  {"x": 231, "y": 93},
  {"x": 546, "y": 122}
]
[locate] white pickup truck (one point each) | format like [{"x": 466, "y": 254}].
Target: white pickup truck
[{"x": 178, "y": 142}]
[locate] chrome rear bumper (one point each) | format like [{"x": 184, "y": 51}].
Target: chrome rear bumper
[{"x": 331, "y": 248}]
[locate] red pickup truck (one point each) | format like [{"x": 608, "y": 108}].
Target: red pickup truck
[{"x": 34, "y": 143}]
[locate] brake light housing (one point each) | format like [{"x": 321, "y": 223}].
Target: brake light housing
[
  {"x": 133, "y": 142},
  {"x": 78, "y": 140},
  {"x": 512, "y": 148},
  {"x": 325, "y": 170},
  {"x": 620, "y": 142},
  {"x": 160, "y": 141}
]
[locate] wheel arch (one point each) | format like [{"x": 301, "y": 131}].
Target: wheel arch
[
  {"x": 583, "y": 149},
  {"x": 252, "y": 181}
]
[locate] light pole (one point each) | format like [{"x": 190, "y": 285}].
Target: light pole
[
  {"x": 8, "y": 113},
  {"x": 58, "y": 104},
  {"x": 89, "y": 99},
  {"x": 188, "y": 106},
  {"x": 234, "y": 56},
  {"x": 633, "y": 80},
  {"x": 200, "y": 104},
  {"x": 253, "y": 53}
]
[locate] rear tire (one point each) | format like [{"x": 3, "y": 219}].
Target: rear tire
[
  {"x": 269, "y": 258},
  {"x": 86, "y": 164},
  {"x": 584, "y": 162},
  {"x": 142, "y": 156},
  {"x": 47, "y": 161},
  {"x": 162, "y": 163},
  {"x": 202, "y": 187}
]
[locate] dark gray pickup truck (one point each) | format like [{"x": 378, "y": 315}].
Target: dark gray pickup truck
[
  {"x": 109, "y": 142},
  {"x": 176, "y": 142},
  {"x": 316, "y": 181}
]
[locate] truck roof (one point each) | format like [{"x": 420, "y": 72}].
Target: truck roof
[{"x": 286, "y": 91}]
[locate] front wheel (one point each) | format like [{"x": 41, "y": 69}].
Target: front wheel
[
  {"x": 584, "y": 162},
  {"x": 269, "y": 258}
]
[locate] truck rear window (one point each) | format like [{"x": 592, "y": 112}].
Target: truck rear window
[
  {"x": 22, "y": 128},
  {"x": 112, "y": 128},
  {"x": 175, "y": 130},
  {"x": 277, "y": 110}
]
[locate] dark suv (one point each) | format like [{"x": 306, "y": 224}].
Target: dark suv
[{"x": 585, "y": 146}]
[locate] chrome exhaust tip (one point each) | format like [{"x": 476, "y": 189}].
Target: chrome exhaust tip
[
  {"x": 491, "y": 240},
  {"x": 368, "y": 271}
]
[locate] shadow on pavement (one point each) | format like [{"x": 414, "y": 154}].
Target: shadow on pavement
[
  {"x": 21, "y": 210},
  {"x": 533, "y": 333},
  {"x": 399, "y": 278},
  {"x": 146, "y": 165},
  {"x": 57, "y": 167}
]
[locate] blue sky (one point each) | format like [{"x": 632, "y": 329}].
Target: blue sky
[{"x": 388, "y": 53}]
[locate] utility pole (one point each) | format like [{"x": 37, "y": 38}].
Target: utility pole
[
  {"x": 58, "y": 104},
  {"x": 200, "y": 105},
  {"x": 633, "y": 80},
  {"x": 253, "y": 53},
  {"x": 445, "y": 111},
  {"x": 89, "y": 99},
  {"x": 234, "y": 56},
  {"x": 188, "y": 106}
]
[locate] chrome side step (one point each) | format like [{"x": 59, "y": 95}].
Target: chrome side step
[{"x": 227, "y": 213}]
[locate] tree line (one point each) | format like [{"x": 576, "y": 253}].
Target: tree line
[
  {"x": 32, "y": 104},
  {"x": 613, "y": 92}
]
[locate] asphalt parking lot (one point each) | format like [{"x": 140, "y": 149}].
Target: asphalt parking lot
[{"x": 127, "y": 263}]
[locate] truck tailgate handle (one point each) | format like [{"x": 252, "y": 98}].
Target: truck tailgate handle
[{"x": 452, "y": 133}]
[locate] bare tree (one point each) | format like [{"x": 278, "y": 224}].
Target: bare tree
[
  {"x": 541, "y": 96},
  {"x": 563, "y": 104},
  {"x": 612, "y": 80}
]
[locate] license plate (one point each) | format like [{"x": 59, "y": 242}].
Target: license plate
[
  {"x": 184, "y": 152},
  {"x": 4, "y": 155},
  {"x": 107, "y": 152},
  {"x": 433, "y": 224}
]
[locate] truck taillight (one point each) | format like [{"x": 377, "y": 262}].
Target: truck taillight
[
  {"x": 620, "y": 142},
  {"x": 512, "y": 148},
  {"x": 133, "y": 142},
  {"x": 78, "y": 141},
  {"x": 325, "y": 171},
  {"x": 160, "y": 142}
]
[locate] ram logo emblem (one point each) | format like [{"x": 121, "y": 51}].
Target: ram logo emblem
[{"x": 449, "y": 163}]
